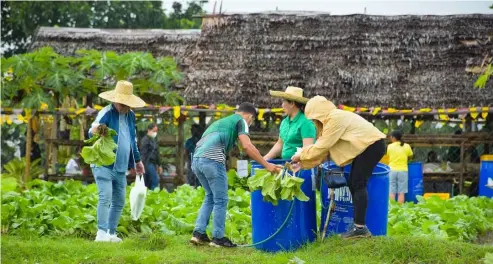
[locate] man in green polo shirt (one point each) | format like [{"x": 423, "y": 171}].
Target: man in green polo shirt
[{"x": 208, "y": 164}]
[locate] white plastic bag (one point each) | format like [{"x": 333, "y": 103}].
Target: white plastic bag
[{"x": 138, "y": 197}]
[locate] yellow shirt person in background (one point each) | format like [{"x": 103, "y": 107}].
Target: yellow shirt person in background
[{"x": 399, "y": 154}]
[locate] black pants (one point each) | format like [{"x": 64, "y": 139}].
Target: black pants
[{"x": 361, "y": 170}]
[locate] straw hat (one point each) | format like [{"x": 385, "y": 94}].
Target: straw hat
[
  {"x": 123, "y": 94},
  {"x": 292, "y": 94}
]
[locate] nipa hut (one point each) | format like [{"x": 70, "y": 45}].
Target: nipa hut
[
  {"x": 357, "y": 60},
  {"x": 159, "y": 42}
]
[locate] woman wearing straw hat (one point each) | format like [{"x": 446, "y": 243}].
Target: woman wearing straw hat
[
  {"x": 296, "y": 130},
  {"x": 111, "y": 180},
  {"x": 348, "y": 139}
]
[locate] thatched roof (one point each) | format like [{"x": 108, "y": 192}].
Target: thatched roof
[
  {"x": 358, "y": 60},
  {"x": 157, "y": 41}
]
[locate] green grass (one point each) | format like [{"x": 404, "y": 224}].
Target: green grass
[{"x": 166, "y": 249}]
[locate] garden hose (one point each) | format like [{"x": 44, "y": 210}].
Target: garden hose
[
  {"x": 282, "y": 225},
  {"x": 275, "y": 233}
]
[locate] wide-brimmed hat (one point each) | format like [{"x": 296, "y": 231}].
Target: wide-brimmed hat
[
  {"x": 292, "y": 94},
  {"x": 123, "y": 94}
]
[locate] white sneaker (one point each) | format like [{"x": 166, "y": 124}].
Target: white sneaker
[
  {"x": 114, "y": 238},
  {"x": 102, "y": 236}
]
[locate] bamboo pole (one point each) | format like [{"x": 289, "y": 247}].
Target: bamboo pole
[
  {"x": 180, "y": 163},
  {"x": 29, "y": 139}
]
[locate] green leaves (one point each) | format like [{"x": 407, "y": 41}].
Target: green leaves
[
  {"x": 43, "y": 75},
  {"x": 483, "y": 78},
  {"x": 101, "y": 153},
  {"x": 275, "y": 187},
  {"x": 460, "y": 218}
]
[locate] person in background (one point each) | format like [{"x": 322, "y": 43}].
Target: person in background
[
  {"x": 189, "y": 149},
  {"x": 296, "y": 130},
  {"x": 347, "y": 138},
  {"x": 209, "y": 165},
  {"x": 73, "y": 165},
  {"x": 111, "y": 180},
  {"x": 149, "y": 149},
  {"x": 399, "y": 153},
  {"x": 432, "y": 157}
]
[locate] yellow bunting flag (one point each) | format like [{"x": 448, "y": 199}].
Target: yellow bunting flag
[
  {"x": 98, "y": 107},
  {"x": 363, "y": 109},
  {"x": 443, "y": 117},
  {"x": 418, "y": 123},
  {"x": 277, "y": 110},
  {"x": 176, "y": 111},
  {"x": 261, "y": 114},
  {"x": 451, "y": 110},
  {"x": 392, "y": 110},
  {"x": 406, "y": 111},
  {"x": 425, "y": 110},
  {"x": 474, "y": 112},
  {"x": 348, "y": 108},
  {"x": 376, "y": 110},
  {"x": 44, "y": 106},
  {"x": 80, "y": 111},
  {"x": 21, "y": 118},
  {"x": 484, "y": 113}
]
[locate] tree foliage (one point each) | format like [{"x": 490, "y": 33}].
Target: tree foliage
[
  {"x": 20, "y": 19},
  {"x": 42, "y": 76},
  {"x": 485, "y": 76}
]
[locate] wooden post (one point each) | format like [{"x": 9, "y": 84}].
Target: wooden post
[
  {"x": 463, "y": 169},
  {"x": 180, "y": 155},
  {"x": 29, "y": 139},
  {"x": 54, "y": 147}
]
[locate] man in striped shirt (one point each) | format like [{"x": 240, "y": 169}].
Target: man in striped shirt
[{"x": 208, "y": 164}]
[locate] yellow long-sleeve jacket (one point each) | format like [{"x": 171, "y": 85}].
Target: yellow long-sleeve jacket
[{"x": 342, "y": 134}]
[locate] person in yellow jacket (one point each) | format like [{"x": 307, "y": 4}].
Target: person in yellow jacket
[{"x": 346, "y": 138}]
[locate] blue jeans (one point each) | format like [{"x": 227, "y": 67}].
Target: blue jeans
[
  {"x": 212, "y": 176},
  {"x": 151, "y": 178},
  {"x": 111, "y": 189}
]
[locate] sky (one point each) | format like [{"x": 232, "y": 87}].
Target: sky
[{"x": 350, "y": 6}]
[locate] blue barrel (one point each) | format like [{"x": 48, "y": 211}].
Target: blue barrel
[
  {"x": 301, "y": 227},
  {"x": 342, "y": 219},
  {"x": 485, "y": 173},
  {"x": 415, "y": 181}
]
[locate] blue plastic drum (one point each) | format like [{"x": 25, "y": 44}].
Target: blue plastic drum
[
  {"x": 415, "y": 181},
  {"x": 301, "y": 227},
  {"x": 485, "y": 173},
  {"x": 342, "y": 218}
]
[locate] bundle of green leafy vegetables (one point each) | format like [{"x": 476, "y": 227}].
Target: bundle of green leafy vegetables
[
  {"x": 100, "y": 152},
  {"x": 277, "y": 186}
]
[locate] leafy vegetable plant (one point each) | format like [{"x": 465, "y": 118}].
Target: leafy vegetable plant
[
  {"x": 101, "y": 152},
  {"x": 274, "y": 187},
  {"x": 460, "y": 218}
]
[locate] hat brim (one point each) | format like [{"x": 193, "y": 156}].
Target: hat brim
[
  {"x": 290, "y": 97},
  {"x": 130, "y": 100}
]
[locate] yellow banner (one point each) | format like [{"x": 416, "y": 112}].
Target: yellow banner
[
  {"x": 376, "y": 110},
  {"x": 484, "y": 115},
  {"x": 347, "y": 108},
  {"x": 261, "y": 114},
  {"x": 176, "y": 111}
]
